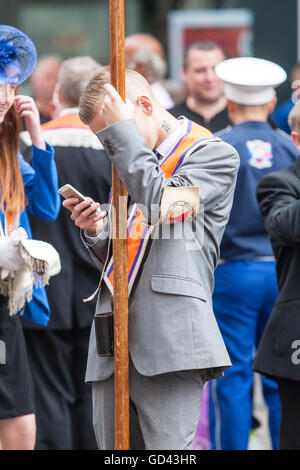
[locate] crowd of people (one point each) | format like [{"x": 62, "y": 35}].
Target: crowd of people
[{"x": 207, "y": 308}]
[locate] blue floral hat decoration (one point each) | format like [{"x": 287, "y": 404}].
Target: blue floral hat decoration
[{"x": 18, "y": 55}]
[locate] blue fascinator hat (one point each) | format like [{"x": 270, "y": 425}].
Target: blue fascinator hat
[{"x": 18, "y": 55}]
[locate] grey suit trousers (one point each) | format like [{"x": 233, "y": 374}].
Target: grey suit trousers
[{"x": 164, "y": 410}]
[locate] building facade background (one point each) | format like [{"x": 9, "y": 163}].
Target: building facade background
[{"x": 73, "y": 27}]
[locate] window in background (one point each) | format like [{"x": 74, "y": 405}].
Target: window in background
[
  {"x": 231, "y": 29},
  {"x": 74, "y": 29}
]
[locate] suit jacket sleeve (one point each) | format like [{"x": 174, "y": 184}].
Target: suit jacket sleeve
[
  {"x": 97, "y": 246},
  {"x": 213, "y": 169},
  {"x": 280, "y": 207}
]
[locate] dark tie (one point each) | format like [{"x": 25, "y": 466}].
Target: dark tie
[{"x": 159, "y": 156}]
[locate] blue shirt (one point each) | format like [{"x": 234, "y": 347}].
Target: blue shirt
[
  {"x": 262, "y": 150},
  {"x": 281, "y": 115},
  {"x": 40, "y": 185}
]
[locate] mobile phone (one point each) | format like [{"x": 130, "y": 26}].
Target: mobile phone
[{"x": 67, "y": 191}]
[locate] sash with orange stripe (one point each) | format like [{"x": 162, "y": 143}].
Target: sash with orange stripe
[
  {"x": 72, "y": 121},
  {"x": 138, "y": 232},
  {"x": 11, "y": 222}
]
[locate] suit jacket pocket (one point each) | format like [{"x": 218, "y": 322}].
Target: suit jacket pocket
[{"x": 178, "y": 285}]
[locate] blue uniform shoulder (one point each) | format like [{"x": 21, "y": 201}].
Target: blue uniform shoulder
[
  {"x": 239, "y": 134},
  {"x": 284, "y": 136},
  {"x": 233, "y": 135}
]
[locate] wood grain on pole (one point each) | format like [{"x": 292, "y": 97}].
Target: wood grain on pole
[{"x": 120, "y": 257}]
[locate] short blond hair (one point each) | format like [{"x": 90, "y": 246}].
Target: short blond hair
[
  {"x": 91, "y": 98},
  {"x": 294, "y": 118}
]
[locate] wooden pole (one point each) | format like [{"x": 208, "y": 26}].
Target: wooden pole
[{"x": 120, "y": 257}]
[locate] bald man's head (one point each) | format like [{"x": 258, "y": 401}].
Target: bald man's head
[
  {"x": 135, "y": 42},
  {"x": 93, "y": 96},
  {"x": 44, "y": 77}
]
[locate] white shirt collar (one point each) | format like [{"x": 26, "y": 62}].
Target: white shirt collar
[
  {"x": 169, "y": 143},
  {"x": 66, "y": 111}
]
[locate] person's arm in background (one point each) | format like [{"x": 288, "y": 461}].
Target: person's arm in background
[{"x": 40, "y": 179}]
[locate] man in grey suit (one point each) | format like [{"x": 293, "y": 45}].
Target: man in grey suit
[{"x": 167, "y": 166}]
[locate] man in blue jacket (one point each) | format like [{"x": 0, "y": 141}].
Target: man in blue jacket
[
  {"x": 245, "y": 281},
  {"x": 281, "y": 113}
]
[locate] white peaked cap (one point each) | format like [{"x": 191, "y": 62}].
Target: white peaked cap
[{"x": 250, "y": 81}]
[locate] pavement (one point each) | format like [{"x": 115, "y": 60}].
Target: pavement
[{"x": 260, "y": 438}]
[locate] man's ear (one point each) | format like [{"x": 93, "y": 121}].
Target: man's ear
[
  {"x": 231, "y": 106},
  {"x": 146, "y": 104},
  {"x": 56, "y": 102},
  {"x": 185, "y": 79},
  {"x": 57, "y": 94},
  {"x": 272, "y": 105},
  {"x": 296, "y": 140}
]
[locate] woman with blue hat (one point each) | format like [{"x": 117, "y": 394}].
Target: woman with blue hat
[{"x": 22, "y": 187}]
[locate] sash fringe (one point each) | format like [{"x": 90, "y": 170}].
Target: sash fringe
[{"x": 36, "y": 272}]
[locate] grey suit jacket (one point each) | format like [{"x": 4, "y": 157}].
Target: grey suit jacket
[{"x": 171, "y": 321}]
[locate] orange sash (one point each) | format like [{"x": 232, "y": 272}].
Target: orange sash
[
  {"x": 9, "y": 223},
  {"x": 138, "y": 232},
  {"x": 72, "y": 121}
]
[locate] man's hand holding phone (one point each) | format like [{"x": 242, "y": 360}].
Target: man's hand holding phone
[{"x": 85, "y": 216}]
